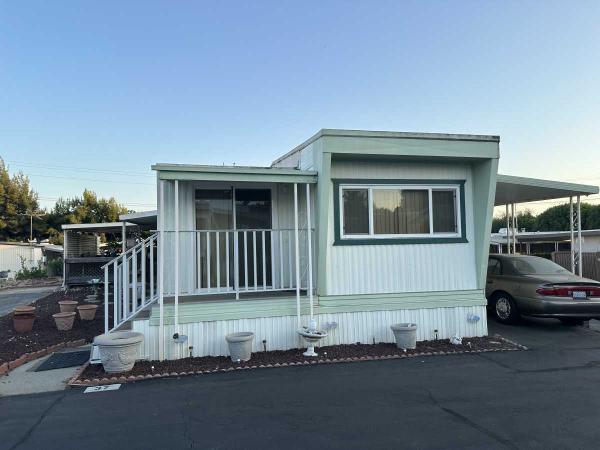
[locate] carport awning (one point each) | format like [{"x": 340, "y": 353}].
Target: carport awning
[
  {"x": 511, "y": 189},
  {"x": 147, "y": 218}
]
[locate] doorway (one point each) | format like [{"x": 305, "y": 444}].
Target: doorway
[{"x": 231, "y": 211}]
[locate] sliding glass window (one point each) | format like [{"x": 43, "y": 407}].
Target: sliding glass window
[{"x": 381, "y": 211}]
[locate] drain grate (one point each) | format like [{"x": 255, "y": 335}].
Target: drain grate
[{"x": 63, "y": 360}]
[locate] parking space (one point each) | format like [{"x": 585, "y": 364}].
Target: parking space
[{"x": 540, "y": 334}]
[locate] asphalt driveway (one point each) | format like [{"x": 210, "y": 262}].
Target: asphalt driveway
[
  {"x": 543, "y": 398},
  {"x": 10, "y": 298}
]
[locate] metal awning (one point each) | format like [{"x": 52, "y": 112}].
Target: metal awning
[
  {"x": 147, "y": 218},
  {"x": 234, "y": 173},
  {"x": 105, "y": 227},
  {"x": 511, "y": 189}
]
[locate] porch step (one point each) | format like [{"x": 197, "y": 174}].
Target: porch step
[{"x": 142, "y": 315}]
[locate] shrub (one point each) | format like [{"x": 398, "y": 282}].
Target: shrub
[
  {"x": 55, "y": 267},
  {"x": 27, "y": 273}
]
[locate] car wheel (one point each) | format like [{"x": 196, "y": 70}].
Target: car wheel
[
  {"x": 504, "y": 308},
  {"x": 571, "y": 321}
]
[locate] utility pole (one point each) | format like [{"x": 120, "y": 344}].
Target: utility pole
[{"x": 30, "y": 227}]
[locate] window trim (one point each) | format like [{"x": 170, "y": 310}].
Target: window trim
[{"x": 376, "y": 239}]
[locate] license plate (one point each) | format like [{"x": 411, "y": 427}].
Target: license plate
[{"x": 579, "y": 294}]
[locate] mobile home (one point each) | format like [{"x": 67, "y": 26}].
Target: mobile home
[{"x": 357, "y": 230}]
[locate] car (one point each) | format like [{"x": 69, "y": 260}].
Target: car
[{"x": 524, "y": 285}]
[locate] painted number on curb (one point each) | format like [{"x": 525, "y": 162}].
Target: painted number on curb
[{"x": 108, "y": 387}]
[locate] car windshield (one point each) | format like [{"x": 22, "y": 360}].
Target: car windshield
[{"x": 532, "y": 265}]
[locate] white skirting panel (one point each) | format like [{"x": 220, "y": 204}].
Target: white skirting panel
[{"x": 208, "y": 338}]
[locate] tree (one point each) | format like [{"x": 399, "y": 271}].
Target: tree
[
  {"x": 87, "y": 209},
  {"x": 17, "y": 202},
  {"x": 555, "y": 218},
  {"x": 525, "y": 219}
]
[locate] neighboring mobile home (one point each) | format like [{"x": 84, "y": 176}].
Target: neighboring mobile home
[{"x": 358, "y": 229}]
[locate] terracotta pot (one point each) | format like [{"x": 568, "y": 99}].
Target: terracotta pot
[
  {"x": 67, "y": 306},
  {"x": 87, "y": 312},
  {"x": 64, "y": 320},
  {"x": 23, "y": 323},
  {"x": 24, "y": 310}
]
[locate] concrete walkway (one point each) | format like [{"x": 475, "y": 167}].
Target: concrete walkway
[
  {"x": 24, "y": 379},
  {"x": 544, "y": 398},
  {"x": 10, "y": 298}
]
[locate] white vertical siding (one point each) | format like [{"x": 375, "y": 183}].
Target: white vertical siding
[
  {"x": 208, "y": 338},
  {"x": 303, "y": 159},
  {"x": 283, "y": 218},
  {"x": 369, "y": 269},
  {"x": 11, "y": 255}
]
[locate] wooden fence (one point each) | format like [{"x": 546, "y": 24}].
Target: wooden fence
[{"x": 591, "y": 263}]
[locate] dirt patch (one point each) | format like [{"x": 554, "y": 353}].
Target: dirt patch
[
  {"x": 44, "y": 333},
  {"x": 334, "y": 353},
  {"x": 33, "y": 282}
]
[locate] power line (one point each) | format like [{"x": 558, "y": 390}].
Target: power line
[
  {"x": 91, "y": 179},
  {"x": 87, "y": 169}
]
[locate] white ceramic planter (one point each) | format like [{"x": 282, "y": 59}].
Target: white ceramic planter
[
  {"x": 405, "y": 334},
  {"x": 240, "y": 345},
  {"x": 118, "y": 350}
]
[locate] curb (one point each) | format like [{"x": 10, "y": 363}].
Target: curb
[
  {"x": 74, "y": 381},
  {"x": 6, "y": 367}
]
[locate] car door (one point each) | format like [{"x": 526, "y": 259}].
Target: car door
[{"x": 494, "y": 272}]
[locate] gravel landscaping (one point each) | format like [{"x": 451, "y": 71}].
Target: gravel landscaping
[
  {"x": 44, "y": 333},
  {"x": 94, "y": 374}
]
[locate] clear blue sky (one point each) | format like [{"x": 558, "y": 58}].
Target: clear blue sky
[{"x": 117, "y": 86}]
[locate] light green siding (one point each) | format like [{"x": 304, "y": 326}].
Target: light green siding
[
  {"x": 484, "y": 190},
  {"x": 213, "y": 310}
]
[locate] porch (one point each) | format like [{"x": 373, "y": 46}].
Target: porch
[{"x": 224, "y": 243}]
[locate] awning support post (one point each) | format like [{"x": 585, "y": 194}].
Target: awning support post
[
  {"x": 579, "y": 243},
  {"x": 514, "y": 231},
  {"x": 572, "y": 229},
  {"x": 176, "y": 315},
  {"x": 161, "y": 278},
  {"x": 507, "y": 231},
  {"x": 297, "y": 253},
  {"x": 309, "y": 250}
]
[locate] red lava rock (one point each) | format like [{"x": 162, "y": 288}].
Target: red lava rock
[{"x": 294, "y": 357}]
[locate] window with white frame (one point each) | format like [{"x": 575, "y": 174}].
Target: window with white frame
[{"x": 399, "y": 211}]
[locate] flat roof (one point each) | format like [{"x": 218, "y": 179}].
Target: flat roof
[
  {"x": 105, "y": 227},
  {"x": 511, "y": 189},
  {"x": 233, "y": 173},
  {"x": 388, "y": 134},
  {"x": 543, "y": 236},
  {"x": 140, "y": 218}
]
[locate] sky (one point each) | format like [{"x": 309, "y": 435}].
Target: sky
[{"x": 93, "y": 93}]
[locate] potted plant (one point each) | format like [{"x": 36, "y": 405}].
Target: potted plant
[
  {"x": 240, "y": 345},
  {"x": 64, "y": 320},
  {"x": 67, "y": 305},
  {"x": 405, "y": 334},
  {"x": 87, "y": 312},
  {"x": 118, "y": 350},
  {"x": 23, "y": 318}
]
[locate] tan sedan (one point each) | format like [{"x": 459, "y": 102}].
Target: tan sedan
[{"x": 532, "y": 286}]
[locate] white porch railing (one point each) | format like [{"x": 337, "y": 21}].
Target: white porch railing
[
  {"x": 236, "y": 261},
  {"x": 132, "y": 279}
]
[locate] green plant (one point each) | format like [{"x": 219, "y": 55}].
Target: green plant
[
  {"x": 28, "y": 273},
  {"x": 55, "y": 267}
]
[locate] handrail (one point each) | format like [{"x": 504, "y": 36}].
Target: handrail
[
  {"x": 130, "y": 284},
  {"x": 236, "y": 230},
  {"x": 139, "y": 244}
]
